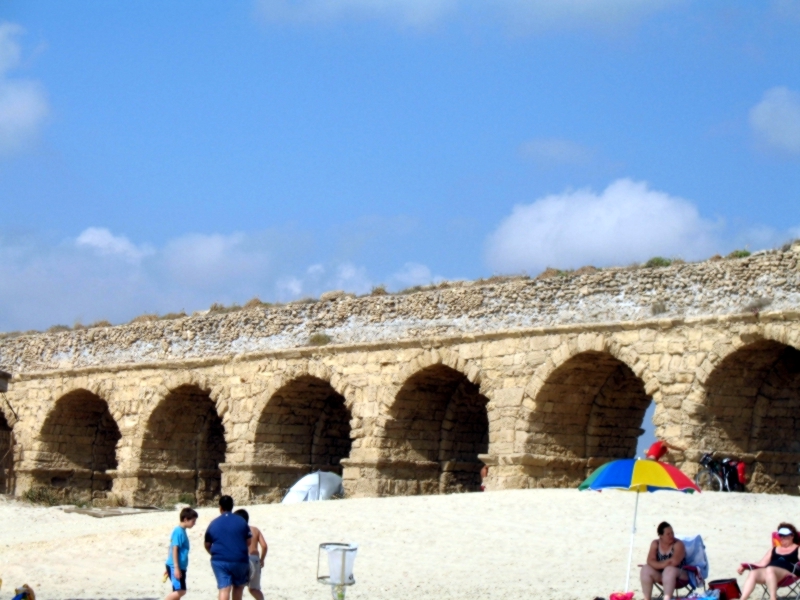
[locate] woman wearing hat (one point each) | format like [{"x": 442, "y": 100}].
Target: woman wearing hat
[{"x": 779, "y": 562}]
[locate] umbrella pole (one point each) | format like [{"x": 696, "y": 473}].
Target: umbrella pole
[{"x": 630, "y": 552}]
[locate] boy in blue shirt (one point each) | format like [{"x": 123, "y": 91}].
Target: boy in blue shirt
[{"x": 178, "y": 557}]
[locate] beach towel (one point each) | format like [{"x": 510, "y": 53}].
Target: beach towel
[{"x": 696, "y": 557}]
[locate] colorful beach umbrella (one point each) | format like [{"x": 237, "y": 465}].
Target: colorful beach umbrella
[{"x": 636, "y": 475}]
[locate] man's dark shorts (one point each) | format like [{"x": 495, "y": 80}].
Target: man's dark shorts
[
  {"x": 177, "y": 584},
  {"x": 230, "y": 573}
]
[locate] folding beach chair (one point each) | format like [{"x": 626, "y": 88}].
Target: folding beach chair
[
  {"x": 789, "y": 586},
  {"x": 696, "y": 567}
]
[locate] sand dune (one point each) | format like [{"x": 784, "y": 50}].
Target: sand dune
[{"x": 558, "y": 544}]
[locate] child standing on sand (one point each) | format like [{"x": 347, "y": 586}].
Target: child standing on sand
[
  {"x": 178, "y": 557},
  {"x": 256, "y": 561}
]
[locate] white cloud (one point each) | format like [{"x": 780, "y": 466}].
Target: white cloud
[
  {"x": 23, "y": 103},
  {"x": 10, "y": 51},
  {"x": 776, "y": 119},
  {"x": 208, "y": 260},
  {"x": 412, "y": 274},
  {"x": 318, "y": 278},
  {"x": 519, "y": 15},
  {"x": 407, "y": 13},
  {"x": 100, "y": 274},
  {"x": 352, "y": 278},
  {"x": 555, "y": 151},
  {"x": 537, "y": 15},
  {"x": 291, "y": 287},
  {"x": 759, "y": 237},
  {"x": 626, "y": 222},
  {"x": 105, "y": 243},
  {"x": 316, "y": 270}
]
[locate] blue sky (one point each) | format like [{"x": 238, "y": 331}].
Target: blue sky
[{"x": 163, "y": 156}]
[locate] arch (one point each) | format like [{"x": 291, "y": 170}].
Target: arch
[
  {"x": 431, "y": 358},
  {"x": 304, "y": 426},
  {"x": 592, "y": 342},
  {"x": 313, "y": 369},
  {"x": 192, "y": 379},
  {"x": 436, "y": 430},
  {"x": 6, "y": 457},
  {"x": 723, "y": 348},
  {"x": 590, "y": 406},
  {"x": 7, "y": 414},
  {"x": 751, "y": 397},
  {"x": 182, "y": 447},
  {"x": 79, "y": 438}
]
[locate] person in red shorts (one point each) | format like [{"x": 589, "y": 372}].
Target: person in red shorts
[{"x": 659, "y": 450}]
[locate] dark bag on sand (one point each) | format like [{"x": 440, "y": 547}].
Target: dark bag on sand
[{"x": 728, "y": 588}]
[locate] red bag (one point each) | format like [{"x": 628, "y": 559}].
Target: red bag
[
  {"x": 740, "y": 471},
  {"x": 621, "y": 596},
  {"x": 728, "y": 588}
]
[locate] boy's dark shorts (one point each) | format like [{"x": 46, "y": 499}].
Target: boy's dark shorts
[{"x": 178, "y": 585}]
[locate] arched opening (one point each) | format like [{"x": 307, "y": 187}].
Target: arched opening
[
  {"x": 589, "y": 410},
  {"x": 304, "y": 427},
  {"x": 752, "y": 399},
  {"x": 79, "y": 439},
  {"x": 6, "y": 457},
  {"x": 183, "y": 447},
  {"x": 439, "y": 427}
]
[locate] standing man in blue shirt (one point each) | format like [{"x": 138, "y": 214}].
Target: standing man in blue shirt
[{"x": 227, "y": 542}]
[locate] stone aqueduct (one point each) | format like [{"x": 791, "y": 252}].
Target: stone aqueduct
[{"x": 540, "y": 379}]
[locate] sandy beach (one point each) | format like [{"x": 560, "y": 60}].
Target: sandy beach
[{"x": 557, "y": 544}]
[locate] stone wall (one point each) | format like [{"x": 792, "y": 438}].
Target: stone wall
[
  {"x": 764, "y": 281},
  {"x": 542, "y": 380}
]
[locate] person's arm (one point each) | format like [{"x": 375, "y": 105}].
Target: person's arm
[
  {"x": 176, "y": 568},
  {"x": 263, "y": 543},
  {"x": 207, "y": 542},
  {"x": 678, "y": 554},
  {"x": 760, "y": 564},
  {"x": 674, "y": 447},
  {"x": 651, "y": 556}
]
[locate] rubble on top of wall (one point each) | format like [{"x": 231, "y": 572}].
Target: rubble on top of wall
[{"x": 765, "y": 281}]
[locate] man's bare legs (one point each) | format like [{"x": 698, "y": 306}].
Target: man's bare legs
[{"x": 225, "y": 593}]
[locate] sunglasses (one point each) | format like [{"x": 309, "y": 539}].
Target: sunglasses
[{"x": 785, "y": 535}]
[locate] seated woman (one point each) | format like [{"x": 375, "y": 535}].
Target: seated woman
[
  {"x": 664, "y": 561},
  {"x": 776, "y": 564}
]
